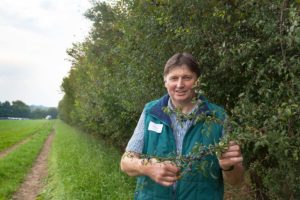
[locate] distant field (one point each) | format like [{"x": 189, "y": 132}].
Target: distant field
[
  {"x": 80, "y": 166},
  {"x": 14, "y": 131},
  {"x": 15, "y": 165}
]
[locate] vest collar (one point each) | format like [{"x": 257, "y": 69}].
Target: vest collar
[{"x": 157, "y": 109}]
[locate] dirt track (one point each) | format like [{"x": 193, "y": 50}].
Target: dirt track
[{"x": 33, "y": 183}]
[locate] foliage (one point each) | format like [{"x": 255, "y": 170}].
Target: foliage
[
  {"x": 42, "y": 113},
  {"x": 19, "y": 109},
  {"x": 16, "y": 109},
  {"x": 249, "y": 54}
]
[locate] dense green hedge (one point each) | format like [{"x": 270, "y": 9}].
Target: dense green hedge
[{"x": 249, "y": 53}]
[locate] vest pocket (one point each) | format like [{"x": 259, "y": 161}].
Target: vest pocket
[
  {"x": 147, "y": 189},
  {"x": 209, "y": 192},
  {"x": 200, "y": 187},
  {"x": 158, "y": 144}
]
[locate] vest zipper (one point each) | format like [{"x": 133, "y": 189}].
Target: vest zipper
[{"x": 174, "y": 191}]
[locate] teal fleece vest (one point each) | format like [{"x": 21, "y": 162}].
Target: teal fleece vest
[{"x": 160, "y": 141}]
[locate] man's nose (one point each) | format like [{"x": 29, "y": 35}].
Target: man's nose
[{"x": 180, "y": 83}]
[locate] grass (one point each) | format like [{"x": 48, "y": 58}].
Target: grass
[
  {"x": 13, "y": 131},
  {"x": 83, "y": 167},
  {"x": 15, "y": 166}
]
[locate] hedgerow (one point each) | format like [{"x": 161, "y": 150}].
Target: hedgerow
[{"x": 249, "y": 55}]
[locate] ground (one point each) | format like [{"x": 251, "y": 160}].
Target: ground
[{"x": 33, "y": 183}]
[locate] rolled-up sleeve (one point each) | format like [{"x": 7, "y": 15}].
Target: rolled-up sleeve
[{"x": 136, "y": 141}]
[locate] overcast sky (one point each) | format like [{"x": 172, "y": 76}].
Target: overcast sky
[{"x": 34, "y": 36}]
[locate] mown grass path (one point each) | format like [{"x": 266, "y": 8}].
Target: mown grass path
[
  {"x": 33, "y": 183},
  {"x": 16, "y": 164},
  {"x": 79, "y": 166},
  {"x": 85, "y": 168}
]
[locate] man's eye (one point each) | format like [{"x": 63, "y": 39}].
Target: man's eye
[
  {"x": 173, "y": 78},
  {"x": 187, "y": 78}
]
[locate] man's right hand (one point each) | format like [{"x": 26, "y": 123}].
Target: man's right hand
[{"x": 164, "y": 173}]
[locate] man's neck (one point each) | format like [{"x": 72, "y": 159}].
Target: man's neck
[{"x": 184, "y": 107}]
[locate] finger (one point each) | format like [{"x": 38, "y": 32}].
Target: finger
[
  {"x": 166, "y": 180},
  {"x": 231, "y": 154},
  {"x": 171, "y": 168},
  {"x": 234, "y": 148},
  {"x": 169, "y": 174},
  {"x": 165, "y": 170},
  {"x": 236, "y": 159},
  {"x": 165, "y": 183},
  {"x": 231, "y": 161},
  {"x": 169, "y": 178},
  {"x": 226, "y": 165}
]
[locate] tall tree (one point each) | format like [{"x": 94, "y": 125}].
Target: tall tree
[
  {"x": 5, "y": 109},
  {"x": 20, "y": 109}
]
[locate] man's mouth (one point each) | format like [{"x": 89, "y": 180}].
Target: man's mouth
[{"x": 180, "y": 92}]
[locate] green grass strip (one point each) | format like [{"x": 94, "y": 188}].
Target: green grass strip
[
  {"x": 83, "y": 167},
  {"x": 15, "y": 166},
  {"x": 13, "y": 131}
]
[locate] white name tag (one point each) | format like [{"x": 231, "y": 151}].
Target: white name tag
[{"x": 155, "y": 127}]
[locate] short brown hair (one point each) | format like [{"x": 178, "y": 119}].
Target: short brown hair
[{"x": 180, "y": 59}]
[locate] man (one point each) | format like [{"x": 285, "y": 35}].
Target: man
[{"x": 161, "y": 135}]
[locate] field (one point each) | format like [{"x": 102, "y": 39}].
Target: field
[
  {"x": 80, "y": 166},
  {"x": 15, "y": 165},
  {"x": 84, "y": 167},
  {"x": 77, "y": 165},
  {"x": 12, "y": 131}
]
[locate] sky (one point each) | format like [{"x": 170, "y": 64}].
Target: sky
[{"x": 34, "y": 37}]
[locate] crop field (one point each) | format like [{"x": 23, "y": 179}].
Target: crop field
[
  {"x": 84, "y": 167},
  {"x": 14, "y": 131},
  {"x": 16, "y": 164},
  {"x": 79, "y": 166}
]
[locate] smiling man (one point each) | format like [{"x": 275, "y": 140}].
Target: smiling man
[{"x": 160, "y": 135}]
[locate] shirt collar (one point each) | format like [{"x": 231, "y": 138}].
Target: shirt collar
[{"x": 195, "y": 108}]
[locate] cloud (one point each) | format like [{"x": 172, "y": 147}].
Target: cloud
[
  {"x": 34, "y": 37},
  {"x": 10, "y": 71},
  {"x": 47, "y": 5}
]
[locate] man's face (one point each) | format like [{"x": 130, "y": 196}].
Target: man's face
[{"x": 179, "y": 83}]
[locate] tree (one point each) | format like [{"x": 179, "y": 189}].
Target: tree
[
  {"x": 5, "y": 109},
  {"x": 20, "y": 109},
  {"x": 249, "y": 54},
  {"x": 53, "y": 112}
]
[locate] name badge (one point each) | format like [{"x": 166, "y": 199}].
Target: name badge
[{"x": 155, "y": 127}]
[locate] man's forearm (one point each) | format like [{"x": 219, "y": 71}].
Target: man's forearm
[
  {"x": 132, "y": 164},
  {"x": 235, "y": 176}
]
